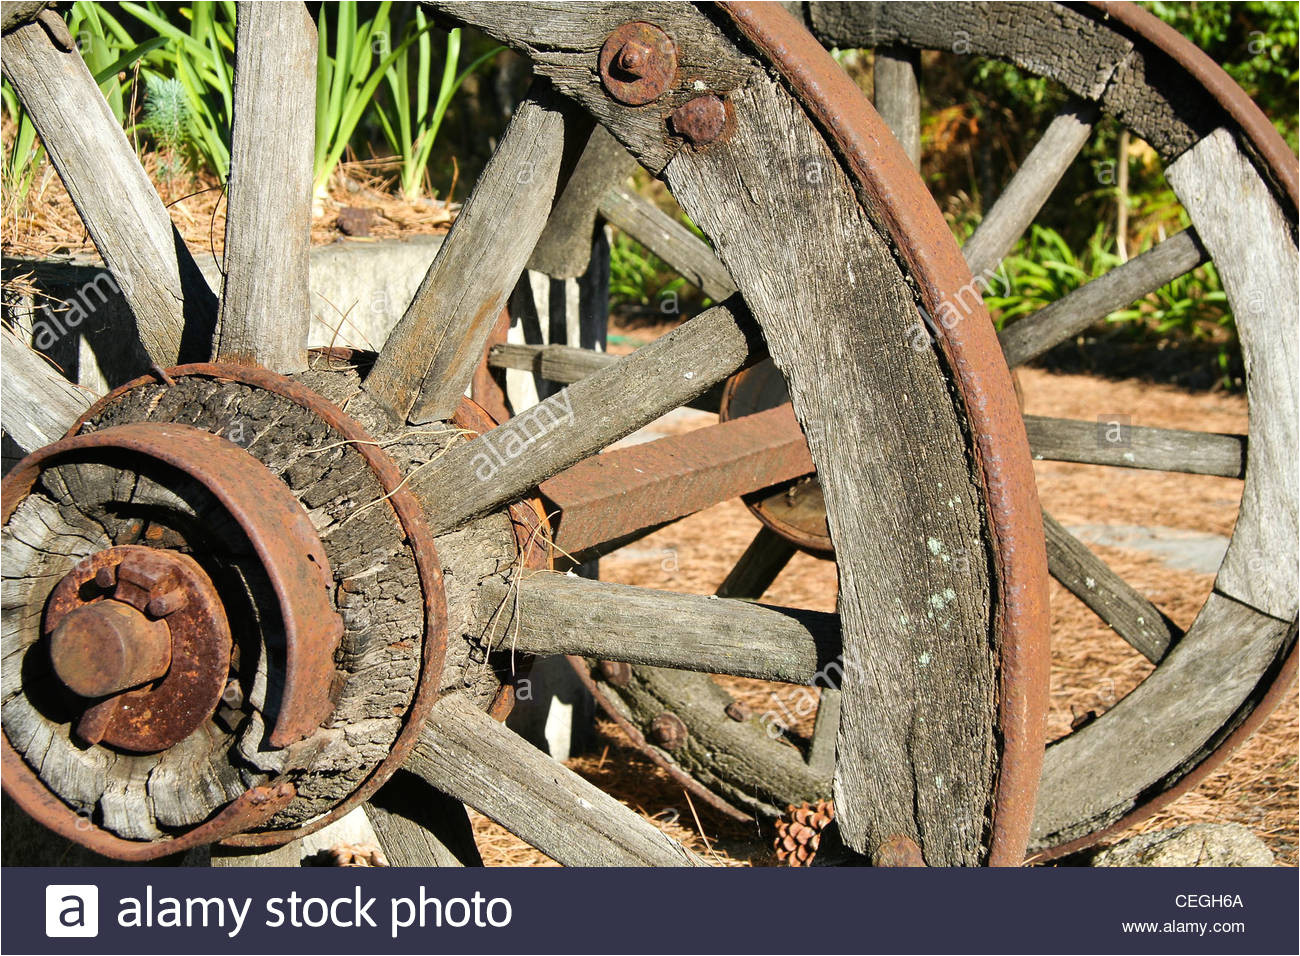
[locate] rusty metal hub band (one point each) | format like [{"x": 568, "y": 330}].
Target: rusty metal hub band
[{"x": 296, "y": 563}]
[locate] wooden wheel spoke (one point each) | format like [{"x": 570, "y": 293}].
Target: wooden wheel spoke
[
  {"x": 1028, "y": 190},
  {"x": 1157, "y": 449},
  {"x": 898, "y": 96},
  {"x": 430, "y": 357},
  {"x": 174, "y": 308},
  {"x": 1164, "y": 262},
  {"x": 765, "y": 558},
  {"x": 587, "y": 416},
  {"x": 610, "y": 496},
  {"x": 1110, "y": 597},
  {"x": 468, "y": 755},
  {"x": 558, "y": 614},
  {"x": 40, "y": 404},
  {"x": 420, "y": 826},
  {"x": 565, "y": 364},
  {"x": 265, "y": 303},
  {"x": 667, "y": 238}
]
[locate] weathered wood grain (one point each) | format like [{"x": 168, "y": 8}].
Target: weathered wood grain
[
  {"x": 39, "y": 404},
  {"x": 1031, "y": 336},
  {"x": 821, "y": 752},
  {"x": 764, "y": 559},
  {"x": 420, "y": 826},
  {"x": 560, "y": 614},
  {"x": 1030, "y": 35},
  {"x": 1113, "y": 599},
  {"x": 586, "y": 416},
  {"x": 266, "y": 298},
  {"x": 897, "y": 86},
  {"x": 429, "y": 358},
  {"x": 174, "y": 308},
  {"x": 916, "y": 747},
  {"x": 765, "y": 771},
  {"x": 1024, "y": 196},
  {"x": 469, "y": 756},
  {"x": 563, "y": 249},
  {"x": 667, "y": 238},
  {"x": 563, "y": 40},
  {"x": 1159, "y": 449},
  {"x": 1254, "y": 250},
  {"x": 1156, "y": 733}
]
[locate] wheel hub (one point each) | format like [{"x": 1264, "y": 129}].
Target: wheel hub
[{"x": 141, "y": 635}]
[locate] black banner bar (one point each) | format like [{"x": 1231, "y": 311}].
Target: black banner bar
[{"x": 323, "y": 910}]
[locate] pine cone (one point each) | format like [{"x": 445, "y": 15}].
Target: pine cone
[
  {"x": 358, "y": 854},
  {"x": 799, "y": 832}
]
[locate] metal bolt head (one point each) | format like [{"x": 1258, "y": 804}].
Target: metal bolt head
[
  {"x": 618, "y": 673},
  {"x": 701, "y": 120},
  {"x": 633, "y": 58},
  {"x": 108, "y": 647},
  {"x": 638, "y": 62},
  {"x": 738, "y": 710},
  {"x": 897, "y": 850},
  {"x": 668, "y": 731}
]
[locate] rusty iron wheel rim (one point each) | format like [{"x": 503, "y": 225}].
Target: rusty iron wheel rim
[{"x": 1279, "y": 167}]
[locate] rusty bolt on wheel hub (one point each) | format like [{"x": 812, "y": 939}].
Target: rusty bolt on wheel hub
[
  {"x": 143, "y": 634},
  {"x": 700, "y": 121},
  {"x": 638, "y": 62}
]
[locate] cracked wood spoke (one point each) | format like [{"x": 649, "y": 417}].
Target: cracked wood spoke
[
  {"x": 1157, "y": 449},
  {"x": 688, "y": 254},
  {"x": 610, "y": 496},
  {"x": 39, "y": 404},
  {"x": 418, "y": 825},
  {"x": 1029, "y": 188},
  {"x": 587, "y": 416},
  {"x": 468, "y": 755},
  {"x": 265, "y": 304},
  {"x": 556, "y": 614},
  {"x": 897, "y": 83},
  {"x": 430, "y": 357},
  {"x": 564, "y": 248},
  {"x": 1030, "y": 337},
  {"x": 1110, "y": 597},
  {"x": 565, "y": 364},
  {"x": 764, "y": 559},
  {"x": 174, "y": 308}
]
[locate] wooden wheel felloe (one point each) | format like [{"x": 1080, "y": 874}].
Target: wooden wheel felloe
[
  {"x": 943, "y": 694},
  {"x": 1228, "y": 167}
]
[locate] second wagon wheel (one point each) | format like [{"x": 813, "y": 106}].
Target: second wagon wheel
[
  {"x": 1213, "y": 685},
  {"x": 302, "y": 572}
]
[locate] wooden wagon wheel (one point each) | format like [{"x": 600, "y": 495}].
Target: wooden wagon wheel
[
  {"x": 368, "y": 540},
  {"x": 1216, "y": 683}
]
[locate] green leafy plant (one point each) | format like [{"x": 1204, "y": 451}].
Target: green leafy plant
[
  {"x": 167, "y": 118},
  {"x": 1043, "y": 268},
  {"x": 201, "y": 60},
  {"x": 416, "y": 116}
]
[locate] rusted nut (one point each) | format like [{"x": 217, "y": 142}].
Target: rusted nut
[
  {"x": 618, "y": 673},
  {"x": 638, "y": 62},
  {"x": 668, "y": 731},
  {"x": 106, "y": 578},
  {"x": 108, "y": 647},
  {"x": 897, "y": 851},
  {"x": 701, "y": 120},
  {"x": 169, "y": 602},
  {"x": 738, "y": 710}
]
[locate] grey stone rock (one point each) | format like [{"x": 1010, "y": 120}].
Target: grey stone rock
[{"x": 1198, "y": 844}]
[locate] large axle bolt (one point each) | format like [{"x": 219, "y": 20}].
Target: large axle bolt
[
  {"x": 108, "y": 647},
  {"x": 139, "y": 633}
]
